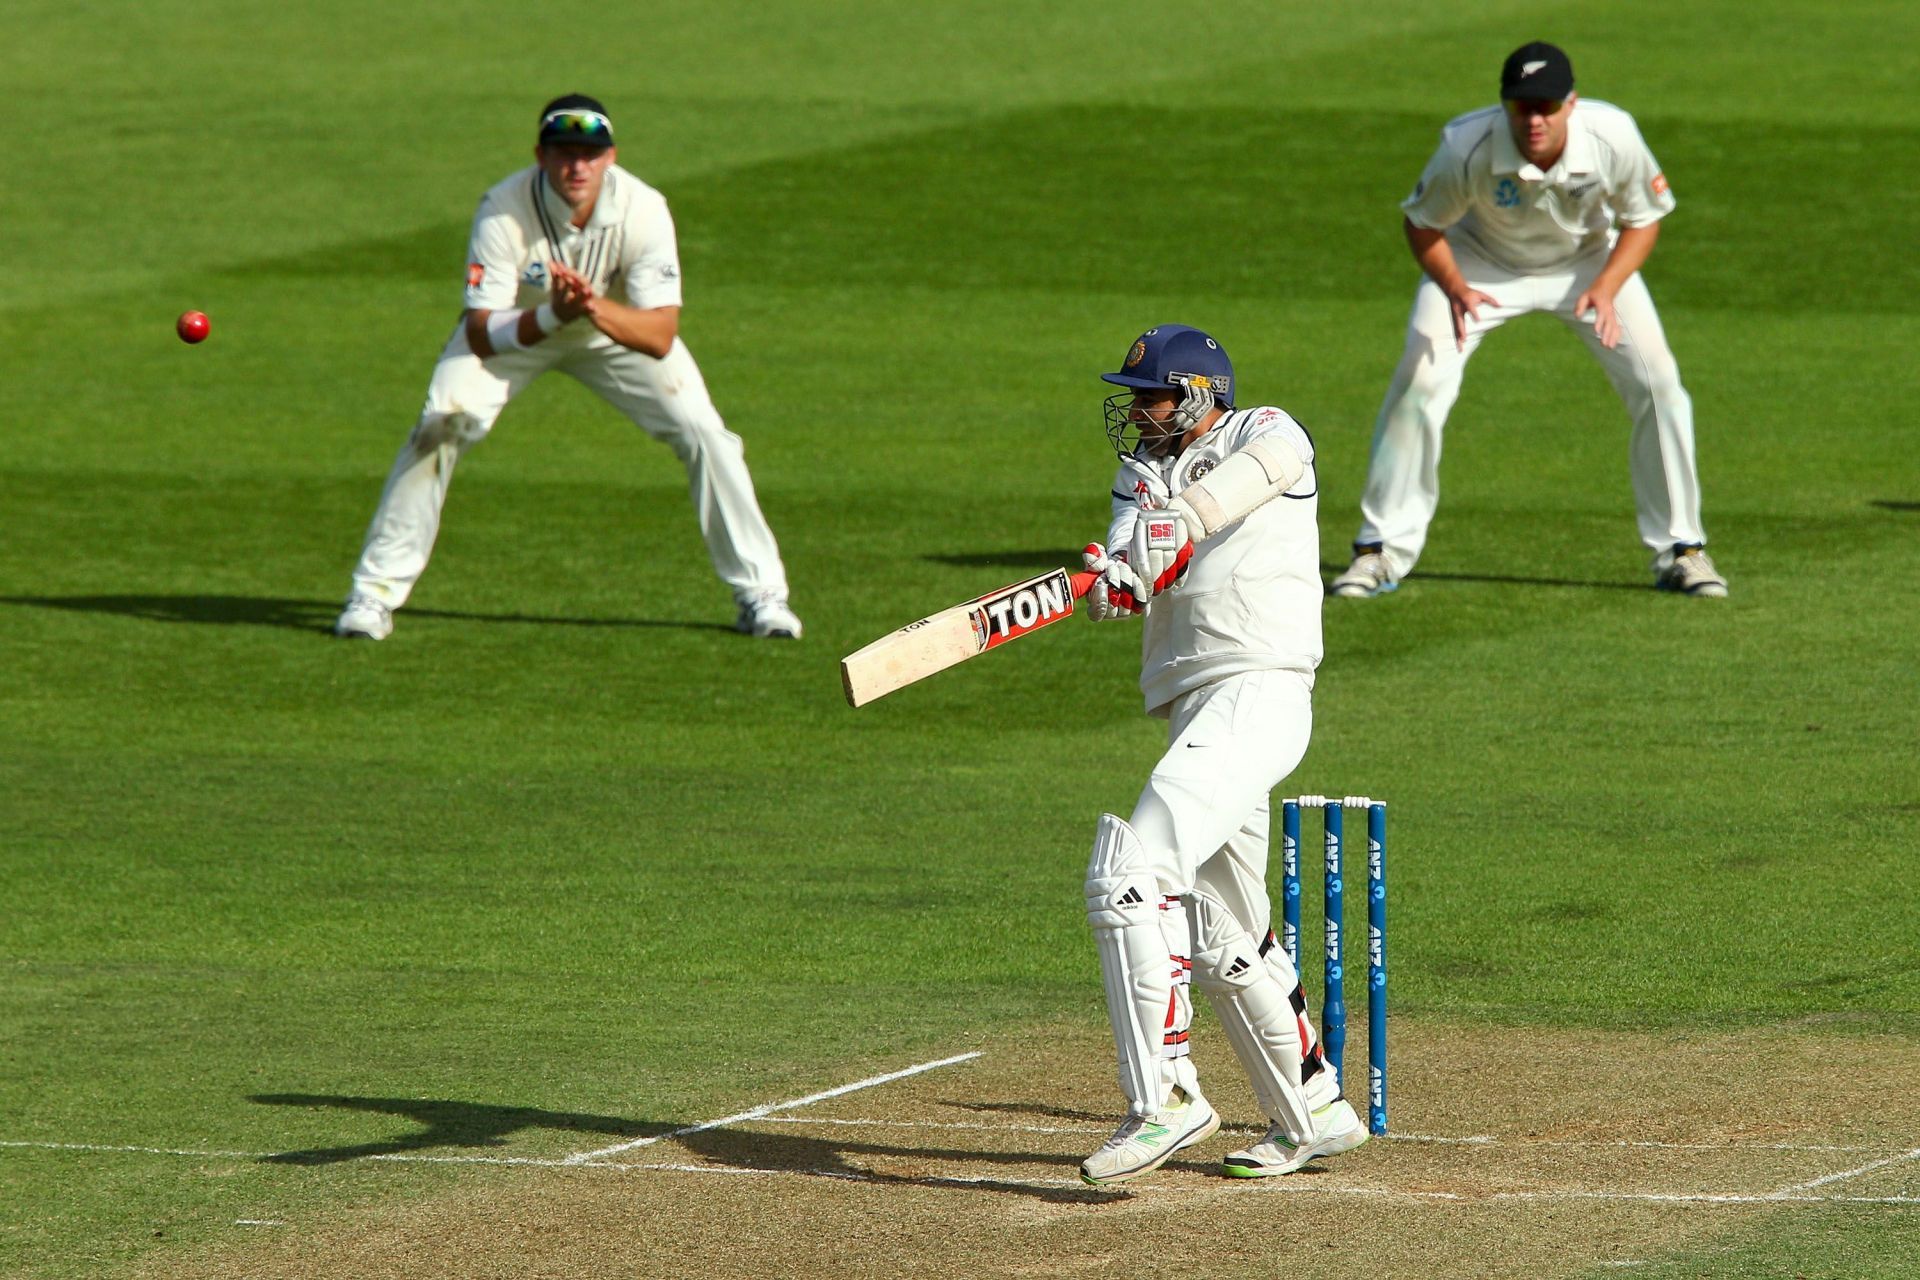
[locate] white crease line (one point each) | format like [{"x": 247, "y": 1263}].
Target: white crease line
[
  {"x": 143, "y": 1151},
  {"x": 582, "y": 1157},
  {"x": 1869, "y": 1167},
  {"x": 1273, "y": 1186},
  {"x": 1470, "y": 1140}
]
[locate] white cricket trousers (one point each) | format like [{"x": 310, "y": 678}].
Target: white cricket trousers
[
  {"x": 667, "y": 398},
  {"x": 1203, "y": 816},
  {"x": 1403, "y": 474}
]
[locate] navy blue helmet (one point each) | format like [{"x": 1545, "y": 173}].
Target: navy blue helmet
[{"x": 1176, "y": 356}]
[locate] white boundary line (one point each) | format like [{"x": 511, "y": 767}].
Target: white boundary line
[
  {"x": 757, "y": 1113},
  {"x": 1275, "y": 1186}
]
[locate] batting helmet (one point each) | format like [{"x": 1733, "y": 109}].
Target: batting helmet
[
  {"x": 1175, "y": 355},
  {"x": 1169, "y": 355}
]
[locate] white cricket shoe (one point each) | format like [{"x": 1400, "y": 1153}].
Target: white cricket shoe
[
  {"x": 364, "y": 618},
  {"x": 1335, "y": 1129},
  {"x": 1139, "y": 1146},
  {"x": 1370, "y": 574},
  {"x": 767, "y": 615},
  {"x": 1693, "y": 574}
]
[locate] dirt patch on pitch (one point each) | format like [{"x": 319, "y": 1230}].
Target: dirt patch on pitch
[{"x": 1517, "y": 1152}]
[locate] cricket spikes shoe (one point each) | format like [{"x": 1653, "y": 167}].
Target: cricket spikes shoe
[
  {"x": 1141, "y": 1145},
  {"x": 1692, "y": 574},
  {"x": 766, "y": 615},
  {"x": 1335, "y": 1129},
  {"x": 364, "y": 618},
  {"x": 1370, "y": 574}
]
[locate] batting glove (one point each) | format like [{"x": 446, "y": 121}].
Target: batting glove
[
  {"x": 1161, "y": 548},
  {"x": 1119, "y": 592}
]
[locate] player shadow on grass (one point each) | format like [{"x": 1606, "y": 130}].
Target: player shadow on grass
[
  {"x": 827, "y": 1158},
  {"x": 445, "y": 1124},
  {"x": 1017, "y": 561},
  {"x": 302, "y": 615},
  {"x": 473, "y": 1124}
]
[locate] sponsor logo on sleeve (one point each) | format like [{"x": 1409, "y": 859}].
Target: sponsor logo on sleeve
[
  {"x": 475, "y": 274},
  {"x": 1659, "y": 184}
]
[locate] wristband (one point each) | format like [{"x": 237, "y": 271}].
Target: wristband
[{"x": 503, "y": 327}]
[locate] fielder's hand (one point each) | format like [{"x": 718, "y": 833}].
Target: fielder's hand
[
  {"x": 1116, "y": 594},
  {"x": 1161, "y": 548},
  {"x": 571, "y": 295}
]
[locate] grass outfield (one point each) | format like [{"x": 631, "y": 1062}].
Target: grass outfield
[{"x": 566, "y": 863}]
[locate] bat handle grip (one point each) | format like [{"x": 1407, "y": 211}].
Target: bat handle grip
[{"x": 1082, "y": 583}]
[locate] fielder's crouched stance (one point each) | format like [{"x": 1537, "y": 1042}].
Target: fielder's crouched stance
[
  {"x": 1215, "y": 541},
  {"x": 573, "y": 266}
]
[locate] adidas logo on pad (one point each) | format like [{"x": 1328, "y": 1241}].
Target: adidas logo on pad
[{"x": 1131, "y": 898}]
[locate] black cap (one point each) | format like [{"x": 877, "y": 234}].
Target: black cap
[
  {"x": 1537, "y": 70},
  {"x": 576, "y": 119}
]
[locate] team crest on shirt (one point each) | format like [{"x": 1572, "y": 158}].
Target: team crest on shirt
[
  {"x": 535, "y": 275},
  {"x": 1136, "y": 355},
  {"x": 1199, "y": 469},
  {"x": 475, "y": 274},
  {"x": 1507, "y": 194}
]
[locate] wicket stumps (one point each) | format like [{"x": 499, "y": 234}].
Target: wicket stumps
[{"x": 1333, "y": 1003}]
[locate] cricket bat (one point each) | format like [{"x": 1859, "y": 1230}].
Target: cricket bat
[{"x": 951, "y": 636}]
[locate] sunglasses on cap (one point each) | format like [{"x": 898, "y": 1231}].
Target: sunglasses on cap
[
  {"x": 584, "y": 128},
  {"x": 1524, "y": 107}
]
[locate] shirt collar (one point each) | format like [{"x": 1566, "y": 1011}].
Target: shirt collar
[{"x": 1577, "y": 158}]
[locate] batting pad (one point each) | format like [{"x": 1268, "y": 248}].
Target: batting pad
[
  {"x": 1123, "y": 906},
  {"x": 1255, "y": 1012}
]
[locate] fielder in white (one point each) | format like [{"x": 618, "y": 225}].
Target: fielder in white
[
  {"x": 1216, "y": 543},
  {"x": 573, "y": 266},
  {"x": 1544, "y": 203}
]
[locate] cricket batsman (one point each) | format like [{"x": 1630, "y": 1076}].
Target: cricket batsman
[
  {"x": 573, "y": 267},
  {"x": 1214, "y": 545}
]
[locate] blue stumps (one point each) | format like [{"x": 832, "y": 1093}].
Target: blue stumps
[
  {"x": 1377, "y": 968},
  {"x": 1334, "y": 1001},
  {"x": 1290, "y": 881}
]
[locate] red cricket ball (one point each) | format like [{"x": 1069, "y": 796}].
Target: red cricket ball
[{"x": 192, "y": 326}]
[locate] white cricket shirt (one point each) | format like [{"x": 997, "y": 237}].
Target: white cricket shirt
[
  {"x": 627, "y": 249},
  {"x": 1490, "y": 200},
  {"x": 1251, "y": 597}
]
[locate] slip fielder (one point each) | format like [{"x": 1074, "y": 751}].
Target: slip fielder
[
  {"x": 1547, "y": 202},
  {"x": 573, "y": 266},
  {"x": 1214, "y": 540}
]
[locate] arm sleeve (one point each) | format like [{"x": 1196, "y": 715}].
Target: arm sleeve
[
  {"x": 1271, "y": 456},
  {"x": 1637, "y": 190},
  {"x": 653, "y": 273},
  {"x": 493, "y": 260},
  {"x": 1441, "y": 197}
]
